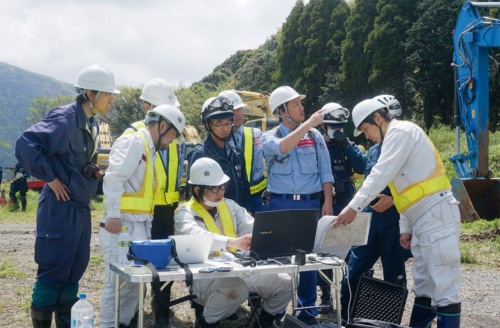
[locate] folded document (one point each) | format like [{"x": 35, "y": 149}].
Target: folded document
[{"x": 339, "y": 240}]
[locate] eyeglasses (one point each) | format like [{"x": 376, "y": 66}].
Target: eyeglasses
[
  {"x": 216, "y": 189},
  {"x": 224, "y": 125}
]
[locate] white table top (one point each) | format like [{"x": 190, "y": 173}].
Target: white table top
[{"x": 174, "y": 272}]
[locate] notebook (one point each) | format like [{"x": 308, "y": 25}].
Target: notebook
[
  {"x": 281, "y": 233},
  {"x": 193, "y": 248}
]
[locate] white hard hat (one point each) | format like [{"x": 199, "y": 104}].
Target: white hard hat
[
  {"x": 207, "y": 172},
  {"x": 231, "y": 94},
  {"x": 392, "y": 103},
  {"x": 281, "y": 96},
  {"x": 158, "y": 92},
  {"x": 335, "y": 114},
  {"x": 172, "y": 115},
  {"x": 96, "y": 78},
  {"x": 220, "y": 107},
  {"x": 362, "y": 110}
]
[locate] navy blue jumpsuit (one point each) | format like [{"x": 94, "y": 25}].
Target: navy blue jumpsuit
[{"x": 60, "y": 146}]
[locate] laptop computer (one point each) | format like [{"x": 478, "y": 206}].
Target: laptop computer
[
  {"x": 193, "y": 248},
  {"x": 281, "y": 233}
]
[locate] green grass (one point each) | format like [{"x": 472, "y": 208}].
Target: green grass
[{"x": 8, "y": 270}]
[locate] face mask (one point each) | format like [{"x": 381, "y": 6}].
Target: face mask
[
  {"x": 210, "y": 203},
  {"x": 330, "y": 133}
]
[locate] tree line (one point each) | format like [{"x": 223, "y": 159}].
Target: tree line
[{"x": 342, "y": 51}]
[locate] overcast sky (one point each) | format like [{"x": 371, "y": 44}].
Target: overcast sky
[{"x": 178, "y": 40}]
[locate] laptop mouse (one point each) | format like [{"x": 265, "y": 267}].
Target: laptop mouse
[{"x": 227, "y": 256}]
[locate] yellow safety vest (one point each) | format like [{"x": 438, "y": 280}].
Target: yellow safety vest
[
  {"x": 225, "y": 217},
  {"x": 436, "y": 182},
  {"x": 141, "y": 201},
  {"x": 248, "y": 154},
  {"x": 167, "y": 191}
]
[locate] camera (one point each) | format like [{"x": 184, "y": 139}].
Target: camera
[{"x": 92, "y": 170}]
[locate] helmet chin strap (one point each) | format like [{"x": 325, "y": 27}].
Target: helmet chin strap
[
  {"x": 91, "y": 103},
  {"x": 226, "y": 139},
  {"x": 160, "y": 135},
  {"x": 288, "y": 117}
]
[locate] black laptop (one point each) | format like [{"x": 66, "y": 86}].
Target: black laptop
[{"x": 281, "y": 233}]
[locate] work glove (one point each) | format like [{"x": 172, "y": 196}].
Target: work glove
[{"x": 341, "y": 139}]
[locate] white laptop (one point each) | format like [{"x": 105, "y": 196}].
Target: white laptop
[{"x": 193, "y": 248}]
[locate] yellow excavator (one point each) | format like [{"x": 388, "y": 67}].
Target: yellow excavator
[{"x": 258, "y": 105}]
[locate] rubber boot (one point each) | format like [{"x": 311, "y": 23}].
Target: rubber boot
[
  {"x": 449, "y": 316},
  {"x": 23, "y": 203},
  {"x": 423, "y": 313},
  {"x": 63, "y": 314},
  {"x": 326, "y": 300},
  {"x": 265, "y": 320},
  {"x": 41, "y": 317}
]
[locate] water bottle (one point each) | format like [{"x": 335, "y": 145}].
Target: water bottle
[
  {"x": 86, "y": 323},
  {"x": 123, "y": 247},
  {"x": 80, "y": 310}
]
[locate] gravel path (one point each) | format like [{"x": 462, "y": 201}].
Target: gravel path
[{"x": 480, "y": 286}]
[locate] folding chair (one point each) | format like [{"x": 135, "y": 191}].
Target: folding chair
[
  {"x": 254, "y": 304},
  {"x": 379, "y": 300}
]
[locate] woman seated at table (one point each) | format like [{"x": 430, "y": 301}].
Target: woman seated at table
[{"x": 209, "y": 212}]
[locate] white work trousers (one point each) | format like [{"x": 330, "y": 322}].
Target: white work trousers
[
  {"x": 436, "y": 253},
  {"x": 222, "y": 297},
  {"x": 129, "y": 293}
]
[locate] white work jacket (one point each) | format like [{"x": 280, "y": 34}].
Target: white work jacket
[
  {"x": 407, "y": 157},
  {"x": 188, "y": 222},
  {"x": 125, "y": 174}
]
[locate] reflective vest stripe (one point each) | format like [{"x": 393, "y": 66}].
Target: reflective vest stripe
[
  {"x": 248, "y": 152},
  {"x": 164, "y": 195},
  {"x": 436, "y": 182},
  {"x": 225, "y": 217},
  {"x": 167, "y": 192},
  {"x": 141, "y": 201}
]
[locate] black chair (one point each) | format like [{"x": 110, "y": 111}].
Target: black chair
[{"x": 254, "y": 304}]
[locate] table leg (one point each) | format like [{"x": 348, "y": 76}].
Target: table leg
[
  {"x": 117, "y": 300},
  {"x": 294, "y": 292},
  {"x": 141, "y": 305},
  {"x": 337, "y": 283}
]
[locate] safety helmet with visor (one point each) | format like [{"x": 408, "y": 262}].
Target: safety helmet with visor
[
  {"x": 392, "y": 104},
  {"x": 172, "y": 115},
  {"x": 335, "y": 115},
  {"x": 97, "y": 78},
  {"x": 362, "y": 111},
  {"x": 158, "y": 92},
  {"x": 220, "y": 107},
  {"x": 235, "y": 97},
  {"x": 281, "y": 96}
]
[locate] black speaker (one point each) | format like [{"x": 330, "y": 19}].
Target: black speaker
[{"x": 292, "y": 322}]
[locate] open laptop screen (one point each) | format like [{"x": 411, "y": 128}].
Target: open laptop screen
[{"x": 281, "y": 233}]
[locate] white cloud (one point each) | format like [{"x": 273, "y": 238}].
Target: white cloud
[{"x": 178, "y": 40}]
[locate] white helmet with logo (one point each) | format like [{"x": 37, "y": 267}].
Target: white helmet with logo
[
  {"x": 96, "y": 78},
  {"x": 172, "y": 115},
  {"x": 392, "y": 103},
  {"x": 158, "y": 92},
  {"x": 362, "y": 110},
  {"x": 231, "y": 94},
  {"x": 335, "y": 115},
  {"x": 281, "y": 96},
  {"x": 207, "y": 172}
]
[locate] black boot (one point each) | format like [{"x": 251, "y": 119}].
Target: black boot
[
  {"x": 326, "y": 300},
  {"x": 265, "y": 320},
  {"x": 63, "y": 314},
  {"x": 23, "y": 203},
  {"x": 41, "y": 316}
]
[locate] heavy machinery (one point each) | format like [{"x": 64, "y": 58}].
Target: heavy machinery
[
  {"x": 477, "y": 191},
  {"x": 258, "y": 105}
]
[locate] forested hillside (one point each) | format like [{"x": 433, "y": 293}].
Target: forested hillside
[{"x": 19, "y": 87}]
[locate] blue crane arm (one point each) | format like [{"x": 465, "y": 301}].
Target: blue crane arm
[{"x": 472, "y": 38}]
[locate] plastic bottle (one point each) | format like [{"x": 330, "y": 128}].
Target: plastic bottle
[
  {"x": 86, "y": 323},
  {"x": 82, "y": 309},
  {"x": 123, "y": 246}
]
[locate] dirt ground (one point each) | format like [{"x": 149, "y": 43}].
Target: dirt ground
[{"x": 480, "y": 287}]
